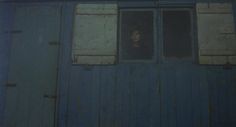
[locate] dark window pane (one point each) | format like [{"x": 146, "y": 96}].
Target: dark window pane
[
  {"x": 137, "y": 35},
  {"x": 177, "y": 34}
]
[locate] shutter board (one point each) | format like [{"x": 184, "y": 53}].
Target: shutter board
[
  {"x": 95, "y": 34},
  {"x": 216, "y": 33}
]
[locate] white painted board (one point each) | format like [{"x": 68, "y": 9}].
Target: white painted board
[
  {"x": 95, "y": 34},
  {"x": 216, "y": 33}
]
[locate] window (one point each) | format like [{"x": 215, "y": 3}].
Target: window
[
  {"x": 95, "y": 34},
  {"x": 177, "y": 33},
  {"x": 137, "y": 41}
]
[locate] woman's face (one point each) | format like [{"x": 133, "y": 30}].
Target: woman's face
[{"x": 135, "y": 36}]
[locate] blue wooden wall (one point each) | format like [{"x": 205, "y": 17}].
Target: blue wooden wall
[
  {"x": 138, "y": 95},
  {"x": 133, "y": 95},
  {"x": 5, "y": 25}
]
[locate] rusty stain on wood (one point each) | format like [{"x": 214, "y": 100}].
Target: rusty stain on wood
[
  {"x": 11, "y": 85},
  {"x": 13, "y": 32}
]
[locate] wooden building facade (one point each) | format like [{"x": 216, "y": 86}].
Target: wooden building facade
[{"x": 184, "y": 77}]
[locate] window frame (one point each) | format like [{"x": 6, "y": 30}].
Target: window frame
[
  {"x": 194, "y": 54},
  {"x": 155, "y": 36}
]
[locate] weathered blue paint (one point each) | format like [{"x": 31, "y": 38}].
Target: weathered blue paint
[
  {"x": 138, "y": 95},
  {"x": 27, "y": 103},
  {"x": 182, "y": 104},
  {"x": 132, "y": 95},
  {"x": 221, "y": 90},
  {"x": 64, "y": 63},
  {"x": 5, "y": 25}
]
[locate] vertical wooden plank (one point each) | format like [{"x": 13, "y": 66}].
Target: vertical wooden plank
[
  {"x": 6, "y": 18},
  {"x": 228, "y": 99},
  {"x": 74, "y": 104},
  {"x": 65, "y": 62},
  {"x": 223, "y": 98},
  {"x": 204, "y": 98},
  {"x": 212, "y": 102},
  {"x": 183, "y": 95},
  {"x": 196, "y": 101},
  {"x": 140, "y": 99},
  {"x": 33, "y": 66},
  {"x": 217, "y": 88},
  {"x": 168, "y": 96},
  {"x": 45, "y": 72},
  {"x": 17, "y": 108},
  {"x": 132, "y": 90},
  {"x": 154, "y": 94},
  {"x": 140, "y": 86},
  {"x": 232, "y": 93},
  {"x": 107, "y": 77},
  {"x": 84, "y": 102},
  {"x": 123, "y": 99},
  {"x": 199, "y": 101}
]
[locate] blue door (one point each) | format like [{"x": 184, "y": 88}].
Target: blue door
[{"x": 32, "y": 77}]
